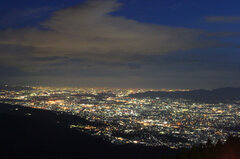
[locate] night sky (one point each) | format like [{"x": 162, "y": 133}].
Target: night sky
[{"x": 120, "y": 43}]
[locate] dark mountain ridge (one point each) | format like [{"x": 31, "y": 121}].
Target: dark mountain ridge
[
  {"x": 34, "y": 133},
  {"x": 228, "y": 94},
  {"x": 14, "y": 88}
]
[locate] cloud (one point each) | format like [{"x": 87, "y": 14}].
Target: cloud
[
  {"x": 222, "y": 19},
  {"x": 224, "y": 34},
  {"x": 20, "y": 17},
  {"x": 88, "y": 36}
]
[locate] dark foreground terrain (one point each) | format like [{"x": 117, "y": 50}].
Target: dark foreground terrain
[{"x": 32, "y": 133}]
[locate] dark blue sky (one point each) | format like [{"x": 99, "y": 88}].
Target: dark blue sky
[
  {"x": 186, "y": 13},
  {"x": 124, "y": 43}
]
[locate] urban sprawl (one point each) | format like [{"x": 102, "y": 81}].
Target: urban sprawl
[{"x": 157, "y": 121}]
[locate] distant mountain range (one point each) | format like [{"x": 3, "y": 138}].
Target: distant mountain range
[
  {"x": 228, "y": 94},
  {"x": 14, "y": 88},
  {"x": 225, "y": 95}
]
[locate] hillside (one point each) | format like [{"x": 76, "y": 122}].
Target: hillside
[
  {"x": 227, "y": 94},
  {"x": 33, "y": 133}
]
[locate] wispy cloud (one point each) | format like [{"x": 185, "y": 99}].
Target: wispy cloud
[
  {"x": 19, "y": 17},
  {"x": 222, "y": 19}
]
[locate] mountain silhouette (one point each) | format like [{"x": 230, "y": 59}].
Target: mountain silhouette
[
  {"x": 227, "y": 94},
  {"x": 37, "y": 134}
]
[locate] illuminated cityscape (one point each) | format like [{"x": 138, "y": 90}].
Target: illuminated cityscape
[
  {"x": 121, "y": 119},
  {"x": 114, "y": 79}
]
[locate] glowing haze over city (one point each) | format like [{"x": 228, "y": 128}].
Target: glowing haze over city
[{"x": 120, "y": 43}]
